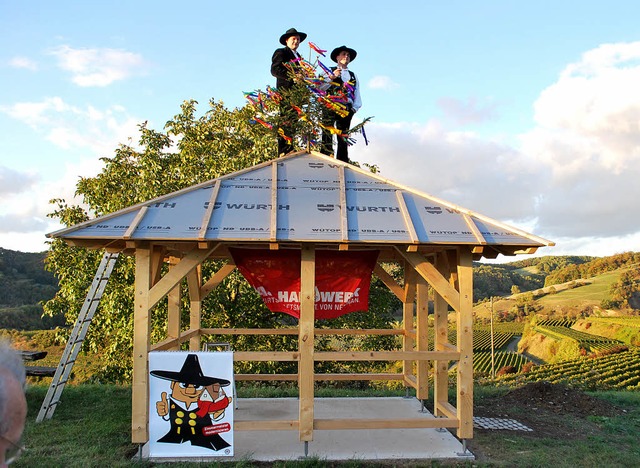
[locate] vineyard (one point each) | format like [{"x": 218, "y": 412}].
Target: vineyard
[
  {"x": 482, "y": 361},
  {"x": 585, "y": 340},
  {"x": 616, "y": 371}
]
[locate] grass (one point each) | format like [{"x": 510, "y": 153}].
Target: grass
[
  {"x": 589, "y": 294},
  {"x": 91, "y": 428}
]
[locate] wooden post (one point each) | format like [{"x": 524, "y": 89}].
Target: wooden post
[
  {"x": 408, "y": 340},
  {"x": 422, "y": 323},
  {"x": 306, "y": 340},
  {"x": 441, "y": 340},
  {"x": 173, "y": 315},
  {"x": 194, "y": 280},
  {"x": 141, "y": 334},
  {"x": 465, "y": 345}
]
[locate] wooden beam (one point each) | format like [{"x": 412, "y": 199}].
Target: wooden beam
[
  {"x": 134, "y": 224},
  {"x": 441, "y": 343},
  {"x": 261, "y": 425},
  {"x": 385, "y": 355},
  {"x": 141, "y": 334},
  {"x": 344, "y": 219},
  {"x": 474, "y": 229},
  {"x": 464, "y": 322},
  {"x": 194, "y": 281},
  {"x": 388, "y": 281},
  {"x": 170, "y": 343},
  {"x": 273, "y": 227},
  {"x": 408, "y": 423},
  {"x": 216, "y": 279},
  {"x": 173, "y": 316},
  {"x": 175, "y": 275},
  {"x": 306, "y": 340},
  {"x": 433, "y": 277},
  {"x": 280, "y": 356},
  {"x": 422, "y": 321},
  {"x": 208, "y": 212},
  {"x": 294, "y": 331},
  {"x": 408, "y": 313},
  {"x": 408, "y": 222}
]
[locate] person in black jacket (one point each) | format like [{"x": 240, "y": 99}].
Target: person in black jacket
[
  {"x": 291, "y": 39},
  {"x": 342, "y": 81}
]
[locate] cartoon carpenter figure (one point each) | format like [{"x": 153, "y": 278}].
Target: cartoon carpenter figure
[{"x": 195, "y": 402}]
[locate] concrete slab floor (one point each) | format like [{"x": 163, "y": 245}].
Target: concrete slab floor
[{"x": 371, "y": 444}]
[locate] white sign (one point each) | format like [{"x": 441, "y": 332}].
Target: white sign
[{"x": 190, "y": 404}]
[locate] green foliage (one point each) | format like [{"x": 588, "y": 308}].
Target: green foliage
[
  {"x": 592, "y": 268},
  {"x": 190, "y": 150},
  {"x": 499, "y": 280},
  {"x": 625, "y": 290}
]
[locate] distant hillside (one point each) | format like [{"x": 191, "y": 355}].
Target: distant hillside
[
  {"x": 492, "y": 280},
  {"x": 24, "y": 284}
]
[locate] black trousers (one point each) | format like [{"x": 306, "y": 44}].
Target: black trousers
[{"x": 343, "y": 124}]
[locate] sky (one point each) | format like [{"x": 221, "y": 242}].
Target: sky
[{"x": 527, "y": 112}]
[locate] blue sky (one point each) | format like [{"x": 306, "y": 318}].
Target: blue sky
[{"x": 524, "y": 111}]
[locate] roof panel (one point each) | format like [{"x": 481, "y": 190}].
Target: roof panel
[{"x": 311, "y": 191}]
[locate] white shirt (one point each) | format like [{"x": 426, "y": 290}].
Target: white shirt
[{"x": 346, "y": 76}]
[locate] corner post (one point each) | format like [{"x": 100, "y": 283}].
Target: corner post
[
  {"x": 141, "y": 335},
  {"x": 306, "y": 338}
]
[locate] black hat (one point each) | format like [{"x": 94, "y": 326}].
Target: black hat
[
  {"x": 191, "y": 373},
  {"x": 337, "y": 50},
  {"x": 292, "y": 32}
]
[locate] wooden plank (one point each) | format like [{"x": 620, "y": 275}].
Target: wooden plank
[
  {"x": 173, "y": 316},
  {"x": 40, "y": 371},
  {"x": 408, "y": 423},
  {"x": 170, "y": 343},
  {"x": 319, "y": 377},
  {"x": 433, "y": 277},
  {"x": 190, "y": 261},
  {"x": 260, "y": 425},
  {"x": 441, "y": 343},
  {"x": 389, "y": 281},
  {"x": 344, "y": 219},
  {"x": 194, "y": 282},
  {"x": 32, "y": 355},
  {"x": 280, "y": 356},
  {"x": 422, "y": 342},
  {"x": 447, "y": 409},
  {"x": 219, "y": 276},
  {"x": 273, "y": 229},
  {"x": 385, "y": 355},
  {"x": 410, "y": 381},
  {"x": 306, "y": 340},
  {"x": 294, "y": 331},
  {"x": 134, "y": 224},
  {"x": 474, "y": 229},
  {"x": 408, "y": 312},
  {"x": 208, "y": 212},
  {"x": 464, "y": 322},
  {"x": 408, "y": 222},
  {"x": 141, "y": 334}
]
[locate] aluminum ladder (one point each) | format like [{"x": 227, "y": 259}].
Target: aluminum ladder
[{"x": 74, "y": 344}]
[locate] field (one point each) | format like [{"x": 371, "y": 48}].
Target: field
[{"x": 615, "y": 371}]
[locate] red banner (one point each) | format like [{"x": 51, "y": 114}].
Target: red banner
[{"x": 342, "y": 279}]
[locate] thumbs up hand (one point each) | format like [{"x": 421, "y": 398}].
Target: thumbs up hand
[{"x": 162, "y": 406}]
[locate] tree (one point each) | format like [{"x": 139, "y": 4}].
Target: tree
[{"x": 190, "y": 150}]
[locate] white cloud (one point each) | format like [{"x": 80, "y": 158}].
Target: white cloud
[
  {"x": 574, "y": 176},
  {"x": 12, "y": 181},
  {"x": 382, "y": 82},
  {"x": 67, "y": 126},
  {"x": 460, "y": 112},
  {"x": 98, "y": 67},
  {"x": 23, "y": 62}
]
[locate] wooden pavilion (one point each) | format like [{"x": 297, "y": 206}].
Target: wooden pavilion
[{"x": 310, "y": 202}]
